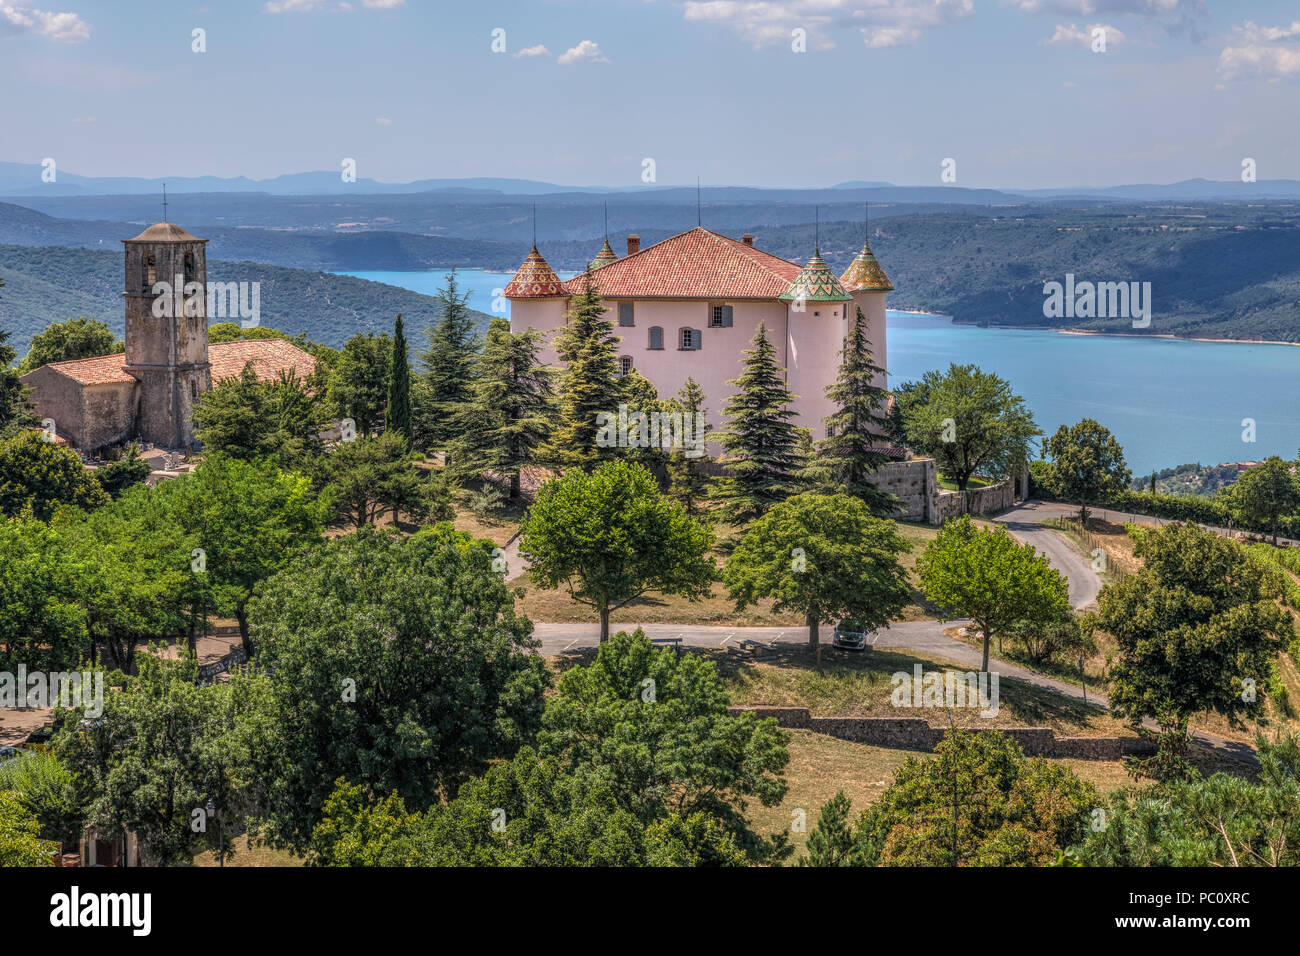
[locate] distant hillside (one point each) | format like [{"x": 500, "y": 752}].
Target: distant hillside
[
  {"x": 47, "y": 284},
  {"x": 1191, "y": 479}
]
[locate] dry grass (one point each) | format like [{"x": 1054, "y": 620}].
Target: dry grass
[
  {"x": 248, "y": 855},
  {"x": 853, "y": 684}
]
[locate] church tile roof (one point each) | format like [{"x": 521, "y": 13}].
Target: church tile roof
[
  {"x": 269, "y": 358},
  {"x": 164, "y": 232}
]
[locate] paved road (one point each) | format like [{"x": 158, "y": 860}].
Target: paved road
[{"x": 1023, "y": 522}]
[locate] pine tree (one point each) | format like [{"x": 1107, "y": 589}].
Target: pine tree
[
  {"x": 448, "y": 361},
  {"x": 686, "y": 482},
  {"x": 397, "y": 417},
  {"x": 511, "y": 411},
  {"x": 850, "y": 453},
  {"x": 760, "y": 445},
  {"x": 640, "y": 395},
  {"x": 589, "y": 384}
]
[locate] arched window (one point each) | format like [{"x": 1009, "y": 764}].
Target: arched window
[
  {"x": 688, "y": 340},
  {"x": 148, "y": 272},
  {"x": 189, "y": 266},
  {"x": 656, "y": 337},
  {"x": 624, "y": 364}
]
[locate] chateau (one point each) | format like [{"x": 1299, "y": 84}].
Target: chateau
[
  {"x": 690, "y": 305},
  {"x": 147, "y": 392}
]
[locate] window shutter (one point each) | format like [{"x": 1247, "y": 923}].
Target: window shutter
[{"x": 726, "y": 316}]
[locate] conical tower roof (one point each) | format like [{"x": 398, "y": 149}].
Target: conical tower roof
[
  {"x": 604, "y": 257},
  {"x": 534, "y": 280},
  {"x": 865, "y": 274},
  {"x": 816, "y": 283}
]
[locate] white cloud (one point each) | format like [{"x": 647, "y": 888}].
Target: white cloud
[
  {"x": 1073, "y": 35},
  {"x": 531, "y": 51},
  {"x": 293, "y": 6},
  {"x": 882, "y": 23},
  {"x": 1087, "y": 8},
  {"x": 383, "y": 4},
  {"x": 588, "y": 51},
  {"x": 60, "y": 27},
  {"x": 1270, "y": 53}
]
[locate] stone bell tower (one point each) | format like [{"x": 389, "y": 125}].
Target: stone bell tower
[{"x": 167, "y": 340}]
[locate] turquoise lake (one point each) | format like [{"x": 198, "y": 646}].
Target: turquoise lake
[{"x": 1167, "y": 401}]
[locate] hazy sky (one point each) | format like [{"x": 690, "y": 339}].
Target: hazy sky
[{"x": 588, "y": 89}]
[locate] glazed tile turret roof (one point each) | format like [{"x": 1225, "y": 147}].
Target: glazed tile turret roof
[
  {"x": 604, "y": 257},
  {"x": 865, "y": 274},
  {"x": 534, "y": 280},
  {"x": 816, "y": 283},
  {"x": 696, "y": 264}
]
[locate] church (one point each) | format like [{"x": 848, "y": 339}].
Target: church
[
  {"x": 690, "y": 305},
  {"x": 146, "y": 393}
]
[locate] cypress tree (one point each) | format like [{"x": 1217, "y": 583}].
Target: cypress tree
[
  {"x": 761, "y": 455},
  {"x": 397, "y": 416},
  {"x": 511, "y": 411},
  {"x": 589, "y": 384},
  {"x": 851, "y": 451},
  {"x": 448, "y": 361}
]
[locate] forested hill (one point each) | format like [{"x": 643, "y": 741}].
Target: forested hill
[{"x": 50, "y": 284}]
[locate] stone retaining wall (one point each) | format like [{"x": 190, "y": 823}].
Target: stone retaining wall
[{"x": 913, "y": 733}]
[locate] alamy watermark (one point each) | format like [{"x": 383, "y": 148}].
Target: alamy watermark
[
  {"x": 53, "y": 689},
  {"x": 242, "y": 300},
  {"x": 666, "y": 430},
  {"x": 1098, "y": 300},
  {"x": 945, "y": 689}
]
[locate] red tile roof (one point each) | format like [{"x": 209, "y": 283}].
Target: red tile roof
[
  {"x": 269, "y": 358},
  {"x": 228, "y": 359},
  {"x": 100, "y": 370},
  {"x": 534, "y": 280},
  {"x": 697, "y": 264}
]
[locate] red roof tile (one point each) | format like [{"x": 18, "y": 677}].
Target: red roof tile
[
  {"x": 100, "y": 370},
  {"x": 269, "y": 357},
  {"x": 534, "y": 280},
  {"x": 697, "y": 264}
]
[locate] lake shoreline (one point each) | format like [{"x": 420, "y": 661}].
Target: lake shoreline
[{"x": 1168, "y": 336}]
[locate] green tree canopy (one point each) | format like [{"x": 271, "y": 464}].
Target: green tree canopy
[
  {"x": 1265, "y": 493},
  {"x": 511, "y": 411},
  {"x": 75, "y": 339},
  {"x": 38, "y": 474},
  {"x": 824, "y": 556},
  {"x": 610, "y": 537},
  {"x": 1198, "y": 627},
  {"x": 760, "y": 444},
  {"x": 856, "y": 432},
  {"x": 358, "y": 387},
  {"x": 988, "y": 576},
  {"x": 969, "y": 420},
  {"x": 589, "y": 384},
  {"x": 247, "y": 418},
  {"x": 448, "y": 361},
  {"x": 977, "y": 802},
  {"x": 398, "y": 664},
  {"x": 1087, "y": 465}
]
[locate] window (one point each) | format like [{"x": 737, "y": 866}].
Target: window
[
  {"x": 656, "y": 337},
  {"x": 719, "y": 316},
  {"x": 624, "y": 364},
  {"x": 690, "y": 340},
  {"x": 625, "y": 316},
  {"x": 189, "y": 266},
  {"x": 194, "y": 391},
  {"x": 148, "y": 273}
]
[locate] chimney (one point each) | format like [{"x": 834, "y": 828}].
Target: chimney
[
  {"x": 747, "y": 239},
  {"x": 633, "y": 244}
]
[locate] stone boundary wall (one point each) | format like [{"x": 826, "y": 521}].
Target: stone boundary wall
[
  {"x": 989, "y": 500},
  {"x": 912, "y": 482},
  {"x": 914, "y": 733}
]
